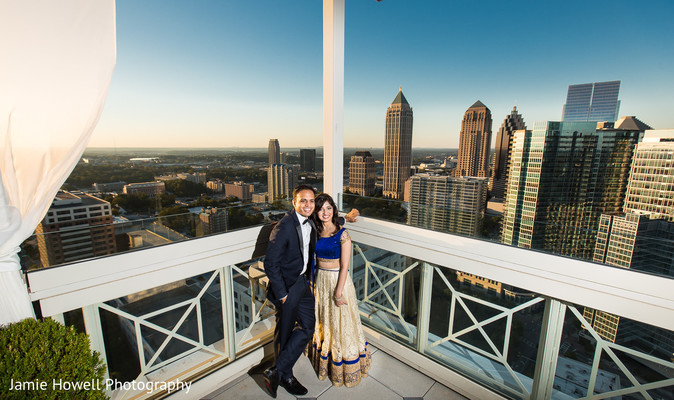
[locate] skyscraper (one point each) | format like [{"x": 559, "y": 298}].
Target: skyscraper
[
  {"x": 596, "y": 101},
  {"x": 447, "y": 204},
  {"x": 637, "y": 242},
  {"x": 308, "y": 160},
  {"x": 274, "y": 150},
  {"x": 397, "y": 147},
  {"x": 475, "y": 142},
  {"x": 281, "y": 180},
  {"x": 77, "y": 226},
  {"x": 563, "y": 176},
  {"x": 362, "y": 173},
  {"x": 511, "y": 123},
  {"x": 651, "y": 186},
  {"x": 643, "y": 237}
]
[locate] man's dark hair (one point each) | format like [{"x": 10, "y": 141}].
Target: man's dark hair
[{"x": 302, "y": 187}]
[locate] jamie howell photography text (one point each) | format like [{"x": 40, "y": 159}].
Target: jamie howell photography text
[{"x": 107, "y": 384}]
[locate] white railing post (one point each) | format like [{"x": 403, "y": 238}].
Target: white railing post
[
  {"x": 228, "y": 324},
  {"x": 333, "y": 97},
  {"x": 92, "y": 324},
  {"x": 548, "y": 349},
  {"x": 425, "y": 291}
]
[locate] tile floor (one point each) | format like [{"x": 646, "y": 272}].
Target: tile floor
[{"x": 389, "y": 379}]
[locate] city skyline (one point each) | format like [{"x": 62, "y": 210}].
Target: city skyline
[{"x": 211, "y": 75}]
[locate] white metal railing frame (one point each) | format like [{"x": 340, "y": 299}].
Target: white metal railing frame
[
  {"x": 90, "y": 284},
  {"x": 638, "y": 296},
  {"x": 453, "y": 252},
  {"x": 71, "y": 286},
  {"x": 86, "y": 284},
  {"x": 392, "y": 309}
]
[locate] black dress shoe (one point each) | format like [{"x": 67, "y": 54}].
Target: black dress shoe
[
  {"x": 271, "y": 380},
  {"x": 293, "y": 387}
]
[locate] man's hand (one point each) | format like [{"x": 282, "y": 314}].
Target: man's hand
[{"x": 352, "y": 216}]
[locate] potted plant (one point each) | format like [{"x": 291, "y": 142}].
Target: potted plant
[{"x": 46, "y": 360}]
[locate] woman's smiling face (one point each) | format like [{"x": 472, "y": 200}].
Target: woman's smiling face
[{"x": 325, "y": 213}]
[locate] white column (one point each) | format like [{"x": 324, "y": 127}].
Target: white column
[
  {"x": 92, "y": 324},
  {"x": 548, "y": 349},
  {"x": 333, "y": 97}
]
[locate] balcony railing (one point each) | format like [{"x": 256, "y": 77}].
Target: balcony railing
[
  {"x": 487, "y": 320},
  {"x": 75, "y": 241}
]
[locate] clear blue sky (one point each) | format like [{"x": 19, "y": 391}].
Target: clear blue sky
[{"x": 237, "y": 73}]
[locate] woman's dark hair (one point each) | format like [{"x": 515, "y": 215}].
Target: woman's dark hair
[{"x": 320, "y": 200}]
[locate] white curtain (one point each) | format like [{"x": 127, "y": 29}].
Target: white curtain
[{"x": 56, "y": 62}]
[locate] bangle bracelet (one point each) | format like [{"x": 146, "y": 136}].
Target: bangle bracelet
[{"x": 337, "y": 298}]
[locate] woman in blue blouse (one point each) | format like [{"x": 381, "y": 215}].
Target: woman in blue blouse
[{"x": 338, "y": 348}]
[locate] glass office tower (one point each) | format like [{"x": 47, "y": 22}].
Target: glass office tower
[
  {"x": 596, "y": 101},
  {"x": 563, "y": 176}
]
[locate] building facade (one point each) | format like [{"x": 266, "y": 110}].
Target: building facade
[
  {"x": 513, "y": 122},
  {"x": 77, "y": 226},
  {"x": 308, "y": 160},
  {"x": 108, "y": 187},
  {"x": 242, "y": 191},
  {"x": 281, "y": 179},
  {"x": 562, "y": 177},
  {"x": 597, "y": 101},
  {"x": 216, "y": 186},
  {"x": 274, "y": 150},
  {"x": 637, "y": 242},
  {"x": 260, "y": 197},
  {"x": 149, "y": 188},
  {"x": 651, "y": 185},
  {"x": 475, "y": 142},
  {"x": 213, "y": 220},
  {"x": 642, "y": 238},
  {"x": 362, "y": 175},
  {"x": 447, "y": 204},
  {"x": 397, "y": 147}
]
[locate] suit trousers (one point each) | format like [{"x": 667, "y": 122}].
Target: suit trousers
[{"x": 295, "y": 321}]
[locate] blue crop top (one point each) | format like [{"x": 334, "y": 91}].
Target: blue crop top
[{"x": 330, "y": 248}]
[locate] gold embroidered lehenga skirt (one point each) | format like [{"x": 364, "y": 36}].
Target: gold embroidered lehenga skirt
[{"x": 338, "y": 349}]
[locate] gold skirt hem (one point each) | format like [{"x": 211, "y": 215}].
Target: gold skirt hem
[{"x": 341, "y": 372}]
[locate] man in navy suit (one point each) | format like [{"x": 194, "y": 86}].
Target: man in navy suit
[
  {"x": 288, "y": 265},
  {"x": 289, "y": 268}
]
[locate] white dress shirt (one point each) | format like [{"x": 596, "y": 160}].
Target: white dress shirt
[{"x": 306, "y": 237}]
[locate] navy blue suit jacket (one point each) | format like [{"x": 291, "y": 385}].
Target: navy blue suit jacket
[{"x": 284, "y": 260}]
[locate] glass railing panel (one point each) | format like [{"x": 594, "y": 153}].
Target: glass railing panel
[
  {"x": 457, "y": 221},
  {"x": 491, "y": 332},
  {"x": 86, "y": 240},
  {"x": 613, "y": 357},
  {"x": 253, "y": 313},
  {"x": 387, "y": 286},
  {"x": 632, "y": 241},
  {"x": 121, "y": 346},
  {"x": 146, "y": 333},
  {"x": 75, "y": 319},
  {"x": 484, "y": 329},
  {"x": 376, "y": 207}
]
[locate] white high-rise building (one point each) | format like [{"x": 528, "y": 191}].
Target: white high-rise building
[{"x": 281, "y": 179}]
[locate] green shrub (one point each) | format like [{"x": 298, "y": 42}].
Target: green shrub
[{"x": 37, "y": 356}]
